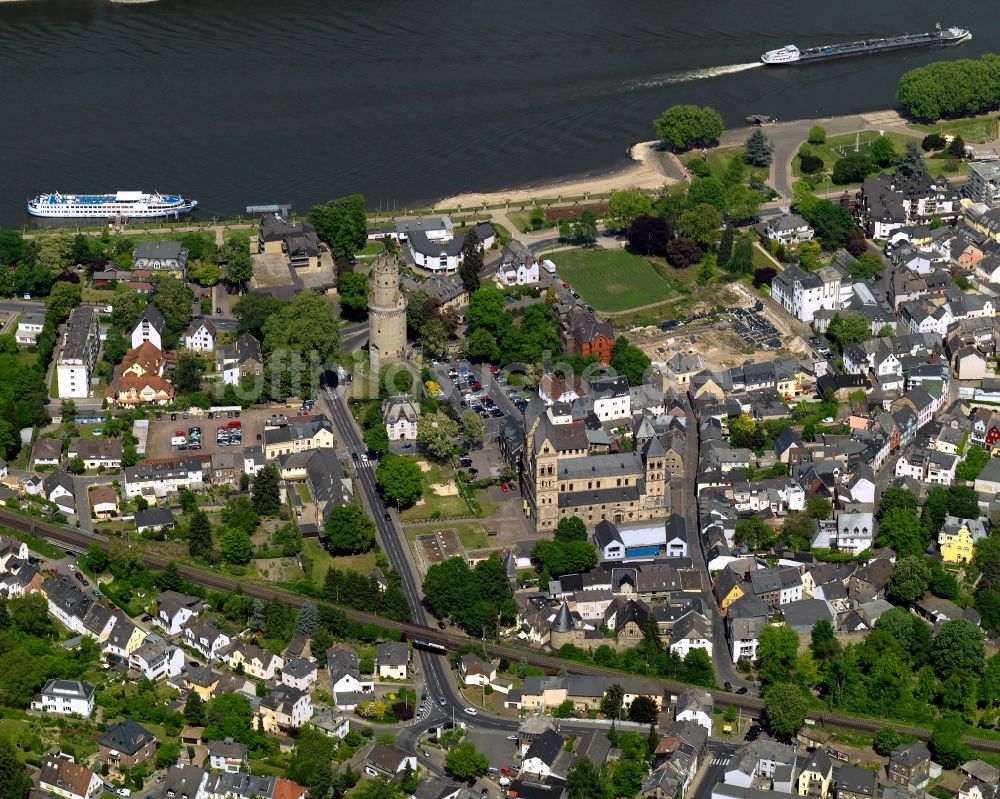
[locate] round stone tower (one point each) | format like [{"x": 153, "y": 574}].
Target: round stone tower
[{"x": 386, "y": 314}]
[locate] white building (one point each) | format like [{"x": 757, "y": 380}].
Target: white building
[
  {"x": 399, "y": 415},
  {"x": 149, "y": 328},
  {"x": 155, "y": 659},
  {"x": 205, "y": 637},
  {"x": 803, "y": 293},
  {"x": 641, "y": 541},
  {"x": 984, "y": 183},
  {"x": 391, "y": 660},
  {"x": 200, "y": 336},
  {"x": 29, "y": 326},
  {"x": 62, "y": 777},
  {"x": 78, "y": 353},
  {"x": 300, "y": 673},
  {"x": 433, "y": 243},
  {"x": 65, "y": 697},
  {"x": 695, "y": 705},
  {"x": 611, "y": 397},
  {"x": 284, "y": 707},
  {"x": 519, "y": 266},
  {"x": 161, "y": 479},
  {"x": 789, "y": 229}
]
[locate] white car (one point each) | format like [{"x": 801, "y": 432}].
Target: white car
[
  {"x": 471, "y": 711},
  {"x": 364, "y": 459}
]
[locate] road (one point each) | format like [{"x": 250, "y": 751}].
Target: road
[{"x": 719, "y": 755}]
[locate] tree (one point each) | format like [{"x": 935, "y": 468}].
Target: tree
[
  {"x": 623, "y": 208},
  {"x": 956, "y": 149},
  {"x": 832, "y": 222},
  {"x": 167, "y": 753},
  {"x": 611, "y": 702},
  {"x": 909, "y": 579},
  {"x": 643, "y": 710},
  {"x": 847, "y": 330},
  {"x": 776, "y": 652},
  {"x": 240, "y": 513},
  {"x": 755, "y": 533},
  {"x": 63, "y": 298},
  {"x": 172, "y": 299},
  {"x": 785, "y": 707},
  {"x": 194, "y": 709},
  {"x": 14, "y": 780},
  {"x": 472, "y": 428},
  {"x": 682, "y": 252},
  {"x": 886, "y": 739},
  {"x": 882, "y": 153},
  {"x": 300, "y": 338},
  {"x": 349, "y": 531},
  {"x": 471, "y": 258},
  {"x": 911, "y": 162},
  {"x": 824, "y": 644},
  {"x": 901, "y": 531},
  {"x": 626, "y": 780},
  {"x": 758, "y": 149},
  {"x": 819, "y": 508},
  {"x": 236, "y": 546},
  {"x": 958, "y": 648},
  {"x": 797, "y": 531},
  {"x": 648, "y": 235},
  {"x": 564, "y": 557},
  {"x": 376, "y": 439},
  {"x": 114, "y": 347},
  {"x": 811, "y": 164},
  {"x": 629, "y": 361},
  {"x": 253, "y": 310},
  {"x": 700, "y": 223},
  {"x": 570, "y": 528},
  {"x": 341, "y": 223},
  {"x": 946, "y": 743},
  {"x": 235, "y": 253},
  {"x": 584, "y": 780},
  {"x": 170, "y": 578},
  {"x": 464, "y": 761},
  {"x": 897, "y": 498},
  {"x": 130, "y": 455},
  {"x": 741, "y": 262},
  {"x": 726, "y": 246},
  {"x": 200, "y": 535},
  {"x": 96, "y": 558},
  {"x": 308, "y": 620},
  {"x": 187, "y": 373},
  {"x": 400, "y": 479},
  {"x": 265, "y": 492},
  {"x": 742, "y": 202},
  {"x": 126, "y": 305},
  {"x": 585, "y": 229},
  {"x": 709, "y": 190},
  {"x": 852, "y": 168},
  {"x": 686, "y": 126},
  {"x": 736, "y": 172},
  {"x": 817, "y": 135},
  {"x": 866, "y": 266},
  {"x": 436, "y": 434}
]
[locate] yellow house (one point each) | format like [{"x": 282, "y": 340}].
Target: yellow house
[
  {"x": 256, "y": 662},
  {"x": 203, "y": 682},
  {"x": 816, "y": 775},
  {"x": 728, "y": 588},
  {"x": 808, "y": 584},
  {"x": 957, "y": 537}
]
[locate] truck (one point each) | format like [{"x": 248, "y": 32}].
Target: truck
[
  {"x": 176, "y": 441},
  {"x": 549, "y": 266}
]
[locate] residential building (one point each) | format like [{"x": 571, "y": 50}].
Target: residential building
[
  {"x": 204, "y": 637},
  {"x": 909, "y": 765},
  {"x": 789, "y": 229},
  {"x": 803, "y": 293},
  {"x": 518, "y": 267},
  {"x": 64, "y": 778},
  {"x": 299, "y": 673},
  {"x": 29, "y": 326},
  {"x": 155, "y": 659},
  {"x": 149, "y": 328},
  {"x": 957, "y": 538},
  {"x": 228, "y": 755},
  {"x": 854, "y": 782},
  {"x": 399, "y": 415},
  {"x": 256, "y": 661},
  {"x": 45, "y": 452},
  {"x": 125, "y": 745},
  {"x": 386, "y": 760},
  {"x": 816, "y": 776},
  {"x": 584, "y": 333},
  {"x": 96, "y": 453},
  {"x": 297, "y": 241},
  {"x": 239, "y": 360},
  {"x": 887, "y": 203},
  {"x": 200, "y": 336},
  {"x": 984, "y": 183},
  {"x": 185, "y": 782},
  {"x": 641, "y": 542},
  {"x": 391, "y": 660},
  {"x": 78, "y": 353},
  {"x": 160, "y": 478},
  {"x": 161, "y": 258},
  {"x": 174, "y": 609},
  {"x": 476, "y": 671},
  {"x": 154, "y": 520},
  {"x": 284, "y": 708},
  {"x": 65, "y": 697},
  {"x": 330, "y": 722},
  {"x": 697, "y": 706},
  {"x": 541, "y": 756},
  {"x": 314, "y": 433},
  {"x": 611, "y": 397}
]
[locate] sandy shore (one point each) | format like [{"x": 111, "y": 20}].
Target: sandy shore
[{"x": 646, "y": 173}]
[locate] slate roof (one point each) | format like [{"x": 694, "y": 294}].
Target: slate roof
[{"x": 126, "y": 736}]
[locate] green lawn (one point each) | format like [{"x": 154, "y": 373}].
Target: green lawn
[
  {"x": 436, "y": 505},
  {"x": 320, "y": 561},
  {"x": 522, "y": 219},
  {"x": 972, "y": 129},
  {"x": 837, "y": 147},
  {"x": 613, "y": 280},
  {"x": 718, "y": 160}
]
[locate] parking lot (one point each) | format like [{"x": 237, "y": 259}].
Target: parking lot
[{"x": 174, "y": 425}]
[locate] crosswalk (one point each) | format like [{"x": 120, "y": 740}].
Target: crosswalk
[{"x": 720, "y": 760}]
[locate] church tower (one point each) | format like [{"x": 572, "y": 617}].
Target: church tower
[{"x": 386, "y": 314}]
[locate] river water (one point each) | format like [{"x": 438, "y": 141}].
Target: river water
[{"x": 250, "y": 102}]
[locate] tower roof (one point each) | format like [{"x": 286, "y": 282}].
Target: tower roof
[{"x": 564, "y": 621}]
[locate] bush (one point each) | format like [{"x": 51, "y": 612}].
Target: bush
[
  {"x": 698, "y": 167},
  {"x": 810, "y": 164},
  {"x": 933, "y": 141},
  {"x": 817, "y": 135},
  {"x": 683, "y": 252}
]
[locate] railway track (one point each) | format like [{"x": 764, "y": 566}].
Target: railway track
[{"x": 70, "y": 538}]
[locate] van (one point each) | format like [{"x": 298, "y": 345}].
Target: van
[{"x": 549, "y": 266}]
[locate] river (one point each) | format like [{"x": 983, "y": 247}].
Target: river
[{"x": 249, "y": 102}]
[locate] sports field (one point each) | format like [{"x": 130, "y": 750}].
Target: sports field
[{"x": 612, "y": 280}]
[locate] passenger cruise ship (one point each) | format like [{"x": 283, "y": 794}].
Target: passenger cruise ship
[{"x": 125, "y": 204}]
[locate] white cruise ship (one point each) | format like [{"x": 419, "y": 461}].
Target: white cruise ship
[{"x": 125, "y": 204}]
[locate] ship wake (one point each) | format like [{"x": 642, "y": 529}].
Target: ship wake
[{"x": 689, "y": 75}]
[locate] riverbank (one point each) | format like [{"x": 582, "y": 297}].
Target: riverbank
[{"x": 653, "y": 169}]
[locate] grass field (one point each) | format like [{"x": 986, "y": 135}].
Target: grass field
[
  {"x": 972, "y": 129},
  {"x": 837, "y": 147},
  {"x": 719, "y": 157},
  {"x": 612, "y": 280},
  {"x": 435, "y": 505},
  {"x": 320, "y": 561}
]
